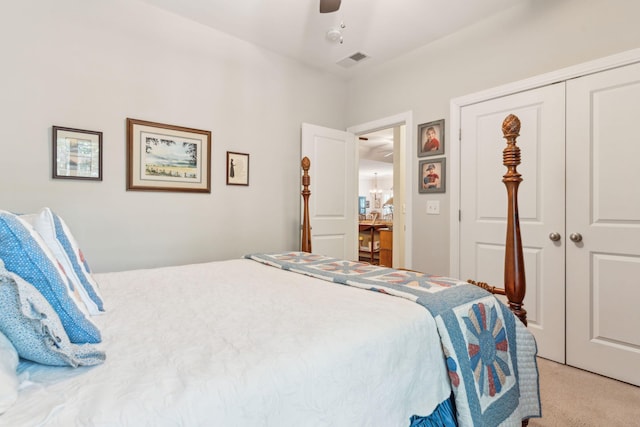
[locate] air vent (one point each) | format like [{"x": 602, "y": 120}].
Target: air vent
[
  {"x": 358, "y": 56},
  {"x": 352, "y": 60}
]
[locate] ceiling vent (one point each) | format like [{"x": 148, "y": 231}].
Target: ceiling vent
[{"x": 352, "y": 60}]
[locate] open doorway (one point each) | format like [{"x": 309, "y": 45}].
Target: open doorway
[
  {"x": 375, "y": 197},
  {"x": 403, "y": 156},
  {"x": 376, "y": 208},
  {"x": 335, "y": 207}
]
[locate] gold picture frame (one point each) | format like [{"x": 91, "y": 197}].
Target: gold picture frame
[{"x": 163, "y": 157}]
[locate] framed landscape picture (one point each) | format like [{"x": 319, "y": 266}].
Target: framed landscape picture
[{"x": 164, "y": 157}]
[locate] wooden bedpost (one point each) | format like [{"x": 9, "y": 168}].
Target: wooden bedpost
[
  {"x": 514, "y": 277},
  {"x": 306, "y": 227}
]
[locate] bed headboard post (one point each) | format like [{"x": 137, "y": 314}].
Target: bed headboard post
[
  {"x": 514, "y": 277},
  {"x": 306, "y": 227}
]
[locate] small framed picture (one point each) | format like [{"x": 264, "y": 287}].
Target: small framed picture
[
  {"x": 162, "y": 157},
  {"x": 432, "y": 176},
  {"x": 431, "y": 138},
  {"x": 237, "y": 168},
  {"x": 77, "y": 154}
]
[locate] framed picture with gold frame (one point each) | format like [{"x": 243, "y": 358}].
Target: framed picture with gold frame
[{"x": 163, "y": 157}]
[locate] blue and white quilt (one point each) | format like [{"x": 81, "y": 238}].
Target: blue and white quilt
[{"x": 489, "y": 353}]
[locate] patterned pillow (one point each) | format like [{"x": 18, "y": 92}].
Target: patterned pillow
[
  {"x": 26, "y": 254},
  {"x": 64, "y": 247},
  {"x": 35, "y": 330},
  {"x": 8, "y": 377}
]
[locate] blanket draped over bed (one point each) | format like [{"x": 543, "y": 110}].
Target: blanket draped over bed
[{"x": 489, "y": 354}]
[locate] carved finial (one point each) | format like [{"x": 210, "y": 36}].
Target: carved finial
[
  {"x": 306, "y": 163},
  {"x": 511, "y": 154},
  {"x": 511, "y": 126}
]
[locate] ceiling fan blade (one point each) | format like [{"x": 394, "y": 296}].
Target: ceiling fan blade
[{"x": 328, "y": 6}]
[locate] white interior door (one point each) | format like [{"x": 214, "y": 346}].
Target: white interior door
[
  {"x": 603, "y": 206},
  {"x": 483, "y": 204},
  {"x": 333, "y": 211}
]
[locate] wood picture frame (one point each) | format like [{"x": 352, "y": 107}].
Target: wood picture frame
[
  {"x": 431, "y": 138},
  {"x": 76, "y": 154},
  {"x": 432, "y": 176},
  {"x": 237, "y": 168},
  {"x": 163, "y": 157}
]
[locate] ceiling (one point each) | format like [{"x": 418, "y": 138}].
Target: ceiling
[
  {"x": 380, "y": 29},
  {"x": 375, "y": 153}
]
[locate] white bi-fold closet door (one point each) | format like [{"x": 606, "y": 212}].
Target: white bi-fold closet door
[
  {"x": 579, "y": 214},
  {"x": 483, "y": 203},
  {"x": 603, "y": 216}
]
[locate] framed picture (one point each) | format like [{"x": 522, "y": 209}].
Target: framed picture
[
  {"x": 362, "y": 205},
  {"x": 237, "y": 168},
  {"x": 431, "y": 138},
  {"x": 77, "y": 154},
  {"x": 432, "y": 176},
  {"x": 167, "y": 158}
]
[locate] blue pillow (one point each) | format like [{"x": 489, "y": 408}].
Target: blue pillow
[
  {"x": 64, "y": 247},
  {"x": 26, "y": 254},
  {"x": 33, "y": 327}
]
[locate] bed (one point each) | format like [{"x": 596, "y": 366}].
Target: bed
[{"x": 286, "y": 339}]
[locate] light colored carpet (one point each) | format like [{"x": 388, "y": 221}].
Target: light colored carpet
[{"x": 572, "y": 397}]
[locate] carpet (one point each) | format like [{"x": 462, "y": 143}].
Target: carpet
[{"x": 572, "y": 397}]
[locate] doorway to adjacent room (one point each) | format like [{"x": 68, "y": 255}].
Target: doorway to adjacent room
[{"x": 375, "y": 196}]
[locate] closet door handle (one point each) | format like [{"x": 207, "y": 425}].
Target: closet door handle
[
  {"x": 554, "y": 236},
  {"x": 575, "y": 237}
]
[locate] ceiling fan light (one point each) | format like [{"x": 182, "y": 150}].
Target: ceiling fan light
[{"x": 334, "y": 35}]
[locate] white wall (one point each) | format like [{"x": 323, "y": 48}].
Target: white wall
[
  {"x": 530, "y": 39},
  {"x": 90, "y": 64}
]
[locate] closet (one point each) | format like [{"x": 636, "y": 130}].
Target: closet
[{"x": 579, "y": 213}]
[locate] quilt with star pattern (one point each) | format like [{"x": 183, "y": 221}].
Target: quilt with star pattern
[{"x": 489, "y": 354}]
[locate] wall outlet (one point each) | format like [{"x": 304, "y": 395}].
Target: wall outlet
[{"x": 433, "y": 207}]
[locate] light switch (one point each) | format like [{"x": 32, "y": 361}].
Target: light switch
[{"x": 433, "y": 207}]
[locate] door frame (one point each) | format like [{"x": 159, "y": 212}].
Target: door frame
[
  {"x": 455, "y": 110},
  {"x": 406, "y": 119}
]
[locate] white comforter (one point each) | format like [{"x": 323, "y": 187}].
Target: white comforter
[{"x": 238, "y": 343}]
